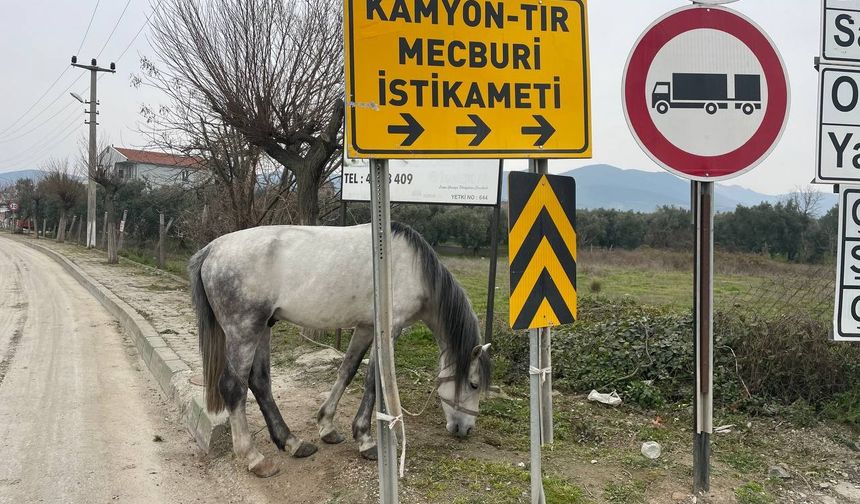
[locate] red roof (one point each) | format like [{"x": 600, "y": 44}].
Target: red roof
[{"x": 160, "y": 158}]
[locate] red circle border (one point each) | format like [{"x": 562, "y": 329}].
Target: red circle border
[{"x": 636, "y": 104}]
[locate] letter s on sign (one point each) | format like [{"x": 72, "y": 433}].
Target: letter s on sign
[{"x": 841, "y": 21}]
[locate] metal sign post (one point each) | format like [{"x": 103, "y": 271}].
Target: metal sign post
[
  {"x": 541, "y": 166},
  {"x": 381, "y": 223},
  {"x": 703, "y": 339},
  {"x": 494, "y": 257}
]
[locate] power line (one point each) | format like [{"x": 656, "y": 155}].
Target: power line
[
  {"x": 42, "y": 146},
  {"x": 22, "y": 135},
  {"x": 66, "y": 69},
  {"x": 48, "y": 106},
  {"x": 88, "y": 27},
  {"x": 145, "y": 24},
  {"x": 32, "y": 153},
  {"x": 122, "y": 14}
]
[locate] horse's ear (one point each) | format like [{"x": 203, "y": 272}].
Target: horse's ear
[{"x": 476, "y": 352}]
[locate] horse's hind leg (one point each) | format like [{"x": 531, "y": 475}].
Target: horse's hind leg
[
  {"x": 234, "y": 390},
  {"x": 361, "y": 340},
  {"x": 261, "y": 386}
]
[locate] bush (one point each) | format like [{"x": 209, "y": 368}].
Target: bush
[{"x": 646, "y": 353}]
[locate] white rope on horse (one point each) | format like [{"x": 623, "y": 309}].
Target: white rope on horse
[{"x": 320, "y": 343}]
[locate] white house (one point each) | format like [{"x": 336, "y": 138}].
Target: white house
[{"x": 155, "y": 168}]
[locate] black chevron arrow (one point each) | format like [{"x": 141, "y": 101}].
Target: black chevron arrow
[
  {"x": 412, "y": 129},
  {"x": 544, "y": 129},
  {"x": 480, "y": 130}
]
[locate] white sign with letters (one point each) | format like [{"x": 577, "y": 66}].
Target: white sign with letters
[
  {"x": 449, "y": 182},
  {"x": 838, "y": 157},
  {"x": 840, "y": 42},
  {"x": 846, "y": 319}
]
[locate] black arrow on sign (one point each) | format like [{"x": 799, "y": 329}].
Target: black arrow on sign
[
  {"x": 480, "y": 130},
  {"x": 544, "y": 129},
  {"x": 412, "y": 130}
]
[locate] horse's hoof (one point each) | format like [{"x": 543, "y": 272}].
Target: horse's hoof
[
  {"x": 265, "y": 468},
  {"x": 369, "y": 453},
  {"x": 305, "y": 450},
  {"x": 333, "y": 437}
]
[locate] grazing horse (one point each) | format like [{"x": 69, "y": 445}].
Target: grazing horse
[{"x": 322, "y": 278}]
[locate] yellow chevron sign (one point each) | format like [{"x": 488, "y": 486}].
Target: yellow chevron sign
[{"x": 542, "y": 250}]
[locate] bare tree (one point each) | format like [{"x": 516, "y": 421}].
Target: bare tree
[
  {"x": 271, "y": 70},
  {"x": 61, "y": 185},
  {"x": 104, "y": 174},
  {"x": 807, "y": 199}
]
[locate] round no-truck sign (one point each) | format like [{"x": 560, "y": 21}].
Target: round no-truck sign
[{"x": 705, "y": 93}]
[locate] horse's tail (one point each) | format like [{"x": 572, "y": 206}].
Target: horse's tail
[{"x": 212, "y": 341}]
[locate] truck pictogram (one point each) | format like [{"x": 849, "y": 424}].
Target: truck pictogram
[{"x": 707, "y": 91}]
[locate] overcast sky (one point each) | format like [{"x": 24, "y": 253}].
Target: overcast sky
[{"x": 38, "y": 37}]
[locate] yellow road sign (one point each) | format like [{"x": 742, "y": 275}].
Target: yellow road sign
[
  {"x": 467, "y": 78},
  {"x": 542, "y": 250}
]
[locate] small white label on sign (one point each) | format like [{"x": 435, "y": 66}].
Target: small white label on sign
[
  {"x": 846, "y": 319},
  {"x": 841, "y": 31},
  {"x": 450, "y": 182},
  {"x": 121, "y": 226},
  {"x": 839, "y": 125}
]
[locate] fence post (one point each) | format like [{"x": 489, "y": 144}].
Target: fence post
[
  {"x": 104, "y": 231},
  {"x": 121, "y": 230},
  {"x": 71, "y": 227},
  {"x": 160, "y": 252}
]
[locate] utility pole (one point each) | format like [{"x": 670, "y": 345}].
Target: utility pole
[{"x": 91, "y": 185}]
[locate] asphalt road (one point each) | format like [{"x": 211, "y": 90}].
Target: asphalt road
[{"x": 78, "y": 415}]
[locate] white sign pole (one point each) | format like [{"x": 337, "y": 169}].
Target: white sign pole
[{"x": 381, "y": 223}]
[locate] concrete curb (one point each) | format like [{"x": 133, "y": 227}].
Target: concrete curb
[{"x": 168, "y": 370}]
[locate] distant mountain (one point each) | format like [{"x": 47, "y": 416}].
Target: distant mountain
[
  {"x": 606, "y": 186},
  {"x": 9, "y": 178}
]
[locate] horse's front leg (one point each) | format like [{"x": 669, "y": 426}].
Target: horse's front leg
[
  {"x": 361, "y": 340},
  {"x": 361, "y": 423}
]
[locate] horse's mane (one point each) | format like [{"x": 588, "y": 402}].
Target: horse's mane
[{"x": 454, "y": 314}]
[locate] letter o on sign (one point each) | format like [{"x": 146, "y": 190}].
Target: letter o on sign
[{"x": 837, "y": 86}]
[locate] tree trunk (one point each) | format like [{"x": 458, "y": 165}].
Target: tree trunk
[
  {"x": 61, "y": 227},
  {"x": 112, "y": 257},
  {"x": 307, "y": 195}
]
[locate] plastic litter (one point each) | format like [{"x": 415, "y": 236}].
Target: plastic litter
[
  {"x": 612, "y": 398},
  {"x": 652, "y": 450}
]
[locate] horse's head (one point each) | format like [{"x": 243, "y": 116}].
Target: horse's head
[{"x": 460, "y": 395}]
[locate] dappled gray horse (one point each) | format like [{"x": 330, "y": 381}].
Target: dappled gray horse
[{"x": 322, "y": 278}]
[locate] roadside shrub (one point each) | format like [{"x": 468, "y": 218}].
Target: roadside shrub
[{"x": 646, "y": 353}]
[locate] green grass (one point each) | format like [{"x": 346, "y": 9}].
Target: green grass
[
  {"x": 481, "y": 481},
  {"x": 625, "y": 493},
  {"x": 753, "y": 493},
  {"x": 176, "y": 264}
]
